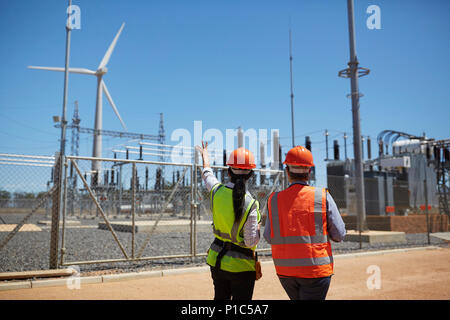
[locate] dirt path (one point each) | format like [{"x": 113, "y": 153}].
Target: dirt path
[{"x": 418, "y": 274}]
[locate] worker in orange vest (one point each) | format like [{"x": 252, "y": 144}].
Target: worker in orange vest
[{"x": 300, "y": 222}]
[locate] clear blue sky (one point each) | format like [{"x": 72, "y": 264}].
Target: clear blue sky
[{"x": 225, "y": 63}]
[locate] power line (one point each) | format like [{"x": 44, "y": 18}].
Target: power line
[
  {"x": 19, "y": 137},
  {"x": 25, "y": 125}
]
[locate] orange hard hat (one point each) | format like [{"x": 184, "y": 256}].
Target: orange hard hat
[
  {"x": 241, "y": 158},
  {"x": 299, "y": 156}
]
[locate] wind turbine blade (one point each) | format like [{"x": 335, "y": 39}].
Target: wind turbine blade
[
  {"x": 82, "y": 71},
  {"x": 108, "y": 53},
  {"x": 71, "y": 70},
  {"x": 111, "y": 102},
  {"x": 46, "y": 68}
]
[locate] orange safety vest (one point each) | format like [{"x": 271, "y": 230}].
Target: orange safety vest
[{"x": 298, "y": 232}]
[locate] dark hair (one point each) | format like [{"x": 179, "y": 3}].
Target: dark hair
[
  {"x": 239, "y": 181},
  {"x": 298, "y": 176}
]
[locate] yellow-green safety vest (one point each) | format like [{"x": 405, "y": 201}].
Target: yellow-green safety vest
[{"x": 227, "y": 229}]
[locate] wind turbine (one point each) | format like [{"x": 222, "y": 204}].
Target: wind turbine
[{"x": 101, "y": 87}]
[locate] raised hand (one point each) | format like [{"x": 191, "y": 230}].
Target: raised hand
[{"x": 204, "y": 152}]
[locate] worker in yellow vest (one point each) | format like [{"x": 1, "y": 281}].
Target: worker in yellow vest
[
  {"x": 236, "y": 227},
  {"x": 300, "y": 222}
]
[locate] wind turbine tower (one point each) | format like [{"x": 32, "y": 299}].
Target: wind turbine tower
[{"x": 101, "y": 88}]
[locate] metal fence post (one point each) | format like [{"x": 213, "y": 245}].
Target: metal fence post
[
  {"x": 426, "y": 209},
  {"x": 133, "y": 207},
  {"x": 195, "y": 204},
  {"x": 64, "y": 212},
  {"x": 192, "y": 209},
  {"x": 120, "y": 190},
  {"x": 425, "y": 188},
  {"x": 57, "y": 199},
  {"x": 56, "y": 203}
]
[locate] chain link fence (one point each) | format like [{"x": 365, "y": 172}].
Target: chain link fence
[
  {"x": 26, "y": 189},
  {"x": 114, "y": 211},
  {"x": 132, "y": 211},
  {"x": 23, "y": 179},
  {"x": 141, "y": 205}
]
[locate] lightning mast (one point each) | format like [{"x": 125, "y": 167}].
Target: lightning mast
[{"x": 292, "y": 92}]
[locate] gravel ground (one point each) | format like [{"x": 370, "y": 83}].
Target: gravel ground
[{"x": 30, "y": 250}]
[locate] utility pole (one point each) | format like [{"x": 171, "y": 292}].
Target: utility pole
[
  {"x": 292, "y": 92},
  {"x": 354, "y": 72},
  {"x": 345, "y": 145},
  {"x": 66, "y": 83},
  {"x": 58, "y": 210}
]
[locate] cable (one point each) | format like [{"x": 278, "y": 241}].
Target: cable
[
  {"x": 25, "y": 125},
  {"x": 18, "y": 137}
]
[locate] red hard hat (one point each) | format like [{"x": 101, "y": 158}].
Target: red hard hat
[
  {"x": 299, "y": 156},
  {"x": 241, "y": 158}
]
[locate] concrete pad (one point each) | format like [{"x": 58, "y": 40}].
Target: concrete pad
[
  {"x": 25, "y": 227},
  {"x": 66, "y": 281},
  {"x": 163, "y": 225},
  {"x": 91, "y": 279},
  {"x": 48, "y": 283},
  {"x": 67, "y": 223},
  {"x": 169, "y": 272},
  {"x": 441, "y": 235},
  {"x": 14, "y": 285},
  {"x": 36, "y": 274},
  {"x": 81, "y": 227},
  {"x": 131, "y": 276},
  {"x": 374, "y": 236}
]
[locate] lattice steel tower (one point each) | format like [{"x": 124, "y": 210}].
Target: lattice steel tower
[{"x": 75, "y": 147}]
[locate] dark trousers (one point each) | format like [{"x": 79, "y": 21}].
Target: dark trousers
[
  {"x": 233, "y": 285},
  {"x": 306, "y": 288}
]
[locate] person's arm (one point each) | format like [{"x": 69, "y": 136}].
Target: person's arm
[
  {"x": 335, "y": 224},
  {"x": 251, "y": 228},
  {"x": 267, "y": 226},
  {"x": 207, "y": 174},
  {"x": 209, "y": 178}
]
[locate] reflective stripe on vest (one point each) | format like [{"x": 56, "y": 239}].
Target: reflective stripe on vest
[{"x": 307, "y": 253}]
